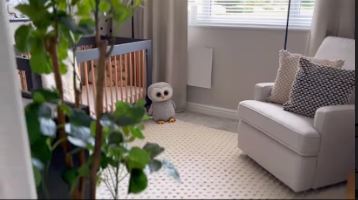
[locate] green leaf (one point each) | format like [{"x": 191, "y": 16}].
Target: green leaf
[
  {"x": 41, "y": 150},
  {"x": 63, "y": 68},
  {"x": 104, "y": 6},
  {"x": 48, "y": 127},
  {"x": 45, "y": 95},
  {"x": 22, "y": 36},
  {"x": 85, "y": 8},
  {"x": 154, "y": 165},
  {"x": 171, "y": 170},
  {"x": 65, "y": 108},
  {"x": 153, "y": 149},
  {"x": 37, "y": 176},
  {"x": 80, "y": 118},
  {"x": 71, "y": 177},
  {"x": 127, "y": 114},
  {"x": 137, "y": 182},
  {"x": 32, "y": 123},
  {"x": 115, "y": 137},
  {"x": 79, "y": 135},
  {"x": 85, "y": 169},
  {"x": 40, "y": 61},
  {"x": 137, "y": 3},
  {"x": 137, "y": 158},
  {"x": 137, "y": 133}
]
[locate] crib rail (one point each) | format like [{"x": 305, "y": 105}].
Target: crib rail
[{"x": 126, "y": 72}]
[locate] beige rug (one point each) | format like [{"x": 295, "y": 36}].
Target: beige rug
[{"x": 211, "y": 166}]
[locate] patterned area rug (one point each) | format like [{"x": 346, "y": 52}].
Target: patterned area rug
[{"x": 211, "y": 166}]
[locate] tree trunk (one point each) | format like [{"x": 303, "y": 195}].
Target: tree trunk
[
  {"x": 102, "y": 46},
  {"x": 52, "y": 49}
]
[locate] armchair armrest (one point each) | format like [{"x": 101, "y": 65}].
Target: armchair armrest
[
  {"x": 262, "y": 91},
  {"x": 335, "y": 124}
]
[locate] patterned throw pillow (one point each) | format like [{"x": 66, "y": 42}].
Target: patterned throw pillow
[
  {"x": 286, "y": 73},
  {"x": 316, "y": 86}
]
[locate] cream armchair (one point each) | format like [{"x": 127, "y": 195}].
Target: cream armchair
[{"x": 302, "y": 152}]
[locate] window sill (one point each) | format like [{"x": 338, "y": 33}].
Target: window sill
[{"x": 250, "y": 27}]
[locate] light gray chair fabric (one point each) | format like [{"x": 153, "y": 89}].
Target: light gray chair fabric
[{"x": 302, "y": 152}]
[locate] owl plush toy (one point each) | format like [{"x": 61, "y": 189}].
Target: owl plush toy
[{"x": 163, "y": 107}]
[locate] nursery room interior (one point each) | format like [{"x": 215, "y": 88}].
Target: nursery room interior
[{"x": 177, "y": 99}]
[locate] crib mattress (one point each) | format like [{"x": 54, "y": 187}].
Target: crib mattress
[{"x": 111, "y": 96}]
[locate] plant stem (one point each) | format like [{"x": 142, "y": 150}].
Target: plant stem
[
  {"x": 102, "y": 46},
  {"x": 117, "y": 183},
  {"x": 52, "y": 49}
]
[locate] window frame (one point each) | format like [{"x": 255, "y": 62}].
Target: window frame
[{"x": 210, "y": 20}]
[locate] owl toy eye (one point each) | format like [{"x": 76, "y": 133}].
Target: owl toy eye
[
  {"x": 166, "y": 93},
  {"x": 159, "y": 94}
]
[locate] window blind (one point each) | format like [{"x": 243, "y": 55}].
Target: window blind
[{"x": 271, "y": 13}]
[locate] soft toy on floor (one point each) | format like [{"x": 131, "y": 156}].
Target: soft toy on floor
[{"x": 163, "y": 108}]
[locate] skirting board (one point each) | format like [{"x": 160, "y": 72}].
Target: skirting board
[{"x": 212, "y": 110}]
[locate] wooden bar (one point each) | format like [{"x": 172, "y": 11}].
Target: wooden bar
[
  {"x": 135, "y": 63},
  {"x": 116, "y": 76},
  {"x": 93, "y": 69},
  {"x": 144, "y": 74},
  {"x": 105, "y": 87},
  {"x": 130, "y": 77},
  {"x": 141, "y": 74},
  {"x": 85, "y": 65},
  {"x": 121, "y": 68},
  {"x": 125, "y": 75},
  {"x": 111, "y": 84}
]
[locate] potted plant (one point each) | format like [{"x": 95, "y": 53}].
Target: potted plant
[{"x": 63, "y": 135}]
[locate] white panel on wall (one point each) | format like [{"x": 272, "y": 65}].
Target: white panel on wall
[{"x": 200, "y": 67}]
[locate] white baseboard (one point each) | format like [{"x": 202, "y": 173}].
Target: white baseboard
[{"x": 212, "y": 110}]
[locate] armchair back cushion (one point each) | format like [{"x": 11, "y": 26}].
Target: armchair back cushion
[
  {"x": 317, "y": 86},
  {"x": 286, "y": 74}
]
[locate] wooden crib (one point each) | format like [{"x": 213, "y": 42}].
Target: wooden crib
[{"x": 127, "y": 72}]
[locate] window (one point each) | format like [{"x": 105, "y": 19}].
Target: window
[{"x": 255, "y": 13}]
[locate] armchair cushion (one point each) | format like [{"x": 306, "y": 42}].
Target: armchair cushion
[
  {"x": 286, "y": 73},
  {"x": 316, "y": 86},
  {"x": 294, "y": 131}
]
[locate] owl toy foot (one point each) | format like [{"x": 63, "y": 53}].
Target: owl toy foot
[
  {"x": 172, "y": 120},
  {"x": 160, "y": 122}
]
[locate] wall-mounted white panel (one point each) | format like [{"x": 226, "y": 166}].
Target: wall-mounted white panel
[{"x": 200, "y": 67}]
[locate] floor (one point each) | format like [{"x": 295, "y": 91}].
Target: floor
[
  {"x": 210, "y": 168},
  {"x": 338, "y": 191},
  {"x": 209, "y": 121}
]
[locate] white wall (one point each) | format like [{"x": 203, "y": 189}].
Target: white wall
[{"x": 242, "y": 57}]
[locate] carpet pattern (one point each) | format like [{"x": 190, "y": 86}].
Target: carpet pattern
[{"x": 210, "y": 164}]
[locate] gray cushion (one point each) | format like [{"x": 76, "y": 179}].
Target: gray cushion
[
  {"x": 294, "y": 131},
  {"x": 317, "y": 86}
]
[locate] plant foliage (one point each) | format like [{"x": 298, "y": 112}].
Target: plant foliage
[{"x": 60, "y": 24}]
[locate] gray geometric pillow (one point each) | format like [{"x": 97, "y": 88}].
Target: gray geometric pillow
[{"x": 316, "y": 86}]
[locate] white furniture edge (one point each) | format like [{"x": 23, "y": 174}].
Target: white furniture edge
[
  {"x": 212, "y": 110},
  {"x": 16, "y": 176}
]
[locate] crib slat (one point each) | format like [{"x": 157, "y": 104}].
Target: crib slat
[
  {"x": 144, "y": 73},
  {"x": 92, "y": 63},
  {"x": 111, "y": 85},
  {"x": 105, "y": 87},
  {"x": 130, "y": 77},
  {"x": 86, "y": 83},
  {"x": 135, "y": 76},
  {"x": 126, "y": 68},
  {"x": 121, "y": 76},
  {"x": 116, "y": 77},
  {"x": 141, "y": 74}
]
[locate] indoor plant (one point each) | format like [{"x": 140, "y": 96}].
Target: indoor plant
[{"x": 89, "y": 146}]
